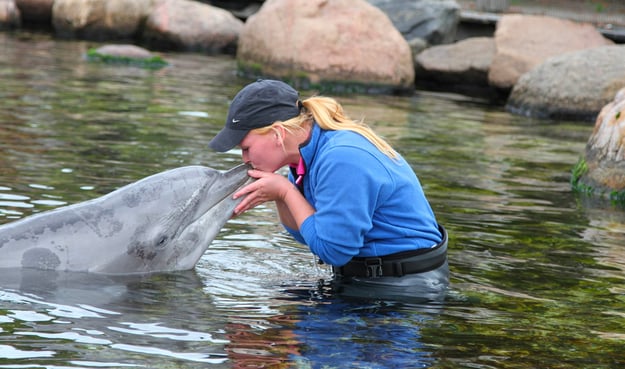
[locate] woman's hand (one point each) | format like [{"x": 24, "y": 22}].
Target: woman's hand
[{"x": 267, "y": 187}]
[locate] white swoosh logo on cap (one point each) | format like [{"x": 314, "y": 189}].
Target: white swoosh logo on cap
[{"x": 236, "y": 120}]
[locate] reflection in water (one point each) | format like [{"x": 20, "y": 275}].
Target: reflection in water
[
  {"x": 94, "y": 318},
  {"x": 379, "y": 337},
  {"x": 322, "y": 330}
]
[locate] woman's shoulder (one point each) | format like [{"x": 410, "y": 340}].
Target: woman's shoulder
[
  {"x": 346, "y": 149},
  {"x": 348, "y": 146},
  {"x": 347, "y": 139}
]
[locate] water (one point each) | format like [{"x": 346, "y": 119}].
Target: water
[{"x": 536, "y": 271}]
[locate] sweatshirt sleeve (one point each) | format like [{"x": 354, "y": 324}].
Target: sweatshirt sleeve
[
  {"x": 294, "y": 233},
  {"x": 347, "y": 186}
]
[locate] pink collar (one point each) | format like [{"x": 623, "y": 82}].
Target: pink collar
[{"x": 300, "y": 169}]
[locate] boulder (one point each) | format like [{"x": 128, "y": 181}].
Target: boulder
[
  {"x": 332, "y": 43},
  {"x": 192, "y": 26},
  {"x": 434, "y": 21},
  {"x": 525, "y": 41},
  {"x": 461, "y": 67},
  {"x": 10, "y": 16},
  {"x": 602, "y": 171},
  {"x": 99, "y": 20},
  {"x": 35, "y": 11},
  {"x": 570, "y": 86}
]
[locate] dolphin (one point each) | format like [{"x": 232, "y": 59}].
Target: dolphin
[{"x": 161, "y": 223}]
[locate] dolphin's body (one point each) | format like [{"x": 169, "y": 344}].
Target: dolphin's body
[{"x": 164, "y": 222}]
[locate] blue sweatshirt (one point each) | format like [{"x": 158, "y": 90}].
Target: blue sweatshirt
[{"x": 366, "y": 203}]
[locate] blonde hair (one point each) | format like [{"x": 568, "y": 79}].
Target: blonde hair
[{"x": 329, "y": 115}]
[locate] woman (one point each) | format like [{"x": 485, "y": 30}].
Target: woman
[{"x": 349, "y": 196}]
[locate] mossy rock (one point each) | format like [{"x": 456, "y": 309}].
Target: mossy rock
[
  {"x": 126, "y": 55},
  {"x": 584, "y": 185}
]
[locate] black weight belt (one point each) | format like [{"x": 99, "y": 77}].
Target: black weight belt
[{"x": 399, "y": 264}]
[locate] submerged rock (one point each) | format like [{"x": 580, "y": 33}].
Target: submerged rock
[{"x": 126, "y": 54}]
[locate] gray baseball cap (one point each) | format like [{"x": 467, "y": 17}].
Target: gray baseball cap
[{"x": 257, "y": 105}]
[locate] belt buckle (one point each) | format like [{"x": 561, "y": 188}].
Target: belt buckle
[{"x": 373, "y": 267}]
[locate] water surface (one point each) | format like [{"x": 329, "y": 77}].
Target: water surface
[{"x": 536, "y": 271}]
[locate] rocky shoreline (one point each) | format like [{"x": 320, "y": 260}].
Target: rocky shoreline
[
  {"x": 428, "y": 44},
  {"x": 532, "y": 64}
]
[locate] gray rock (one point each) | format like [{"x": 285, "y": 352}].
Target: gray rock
[
  {"x": 492, "y": 5},
  {"x": 573, "y": 86},
  {"x": 466, "y": 61},
  {"x": 434, "y": 21},
  {"x": 460, "y": 67}
]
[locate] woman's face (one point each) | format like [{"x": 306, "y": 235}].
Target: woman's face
[{"x": 263, "y": 151}]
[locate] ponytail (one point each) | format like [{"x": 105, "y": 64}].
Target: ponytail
[{"x": 329, "y": 115}]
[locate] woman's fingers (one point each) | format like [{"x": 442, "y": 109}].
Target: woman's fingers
[
  {"x": 267, "y": 187},
  {"x": 249, "y": 200},
  {"x": 244, "y": 190}
]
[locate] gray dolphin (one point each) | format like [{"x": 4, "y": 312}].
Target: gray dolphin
[{"x": 163, "y": 222}]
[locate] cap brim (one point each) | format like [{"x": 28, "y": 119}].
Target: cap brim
[{"x": 227, "y": 139}]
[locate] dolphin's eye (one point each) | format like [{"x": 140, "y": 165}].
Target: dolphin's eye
[{"x": 161, "y": 241}]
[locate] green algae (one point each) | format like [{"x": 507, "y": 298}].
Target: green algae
[{"x": 153, "y": 62}]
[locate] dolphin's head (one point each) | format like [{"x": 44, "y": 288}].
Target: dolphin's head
[{"x": 176, "y": 215}]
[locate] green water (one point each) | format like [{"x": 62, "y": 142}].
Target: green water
[{"x": 536, "y": 271}]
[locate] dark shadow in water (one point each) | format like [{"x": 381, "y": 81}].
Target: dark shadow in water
[{"x": 322, "y": 327}]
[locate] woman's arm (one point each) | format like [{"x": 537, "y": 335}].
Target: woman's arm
[{"x": 286, "y": 217}]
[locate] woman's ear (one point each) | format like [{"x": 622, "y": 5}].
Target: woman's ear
[{"x": 279, "y": 132}]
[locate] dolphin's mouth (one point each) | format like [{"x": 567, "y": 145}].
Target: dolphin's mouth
[
  {"x": 192, "y": 240},
  {"x": 225, "y": 196},
  {"x": 242, "y": 168}
]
